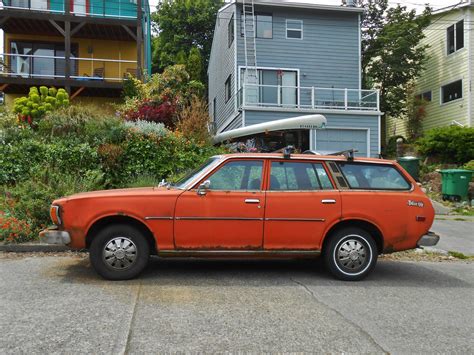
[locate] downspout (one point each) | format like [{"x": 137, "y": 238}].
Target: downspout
[{"x": 469, "y": 66}]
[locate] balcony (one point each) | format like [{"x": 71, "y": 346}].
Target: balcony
[
  {"x": 281, "y": 97},
  {"x": 119, "y": 9},
  {"x": 18, "y": 71}
]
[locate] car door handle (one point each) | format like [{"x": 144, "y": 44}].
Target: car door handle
[
  {"x": 328, "y": 202},
  {"x": 252, "y": 200}
]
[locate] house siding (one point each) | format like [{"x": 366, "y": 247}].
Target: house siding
[
  {"x": 334, "y": 120},
  {"x": 235, "y": 123},
  {"x": 328, "y": 54},
  {"x": 442, "y": 69},
  {"x": 221, "y": 66}
]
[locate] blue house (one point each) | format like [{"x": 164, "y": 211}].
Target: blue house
[{"x": 273, "y": 60}]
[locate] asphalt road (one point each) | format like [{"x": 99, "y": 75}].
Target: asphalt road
[
  {"x": 58, "y": 305},
  {"x": 455, "y": 235}
]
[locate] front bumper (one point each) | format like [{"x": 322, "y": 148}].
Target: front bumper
[
  {"x": 428, "y": 240},
  {"x": 51, "y": 236}
]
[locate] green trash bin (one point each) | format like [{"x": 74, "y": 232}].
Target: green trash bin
[
  {"x": 455, "y": 184},
  {"x": 411, "y": 165}
]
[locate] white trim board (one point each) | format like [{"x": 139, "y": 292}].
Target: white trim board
[{"x": 304, "y": 110}]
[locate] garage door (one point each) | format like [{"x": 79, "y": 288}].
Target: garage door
[{"x": 342, "y": 139}]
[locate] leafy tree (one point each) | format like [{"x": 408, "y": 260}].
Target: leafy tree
[
  {"x": 182, "y": 25},
  {"x": 194, "y": 64},
  {"x": 392, "y": 55}
]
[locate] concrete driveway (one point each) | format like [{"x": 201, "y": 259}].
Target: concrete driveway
[
  {"x": 455, "y": 235},
  {"x": 58, "y": 305}
]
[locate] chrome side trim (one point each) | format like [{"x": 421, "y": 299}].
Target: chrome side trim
[
  {"x": 237, "y": 252},
  {"x": 153, "y": 218},
  {"x": 295, "y": 219},
  {"x": 217, "y": 219}
]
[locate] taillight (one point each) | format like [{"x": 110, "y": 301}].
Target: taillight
[
  {"x": 54, "y": 212},
  {"x": 420, "y": 218}
]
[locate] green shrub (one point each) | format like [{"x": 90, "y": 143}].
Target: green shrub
[
  {"x": 29, "y": 200},
  {"x": 74, "y": 150},
  {"x": 40, "y": 102},
  {"x": 82, "y": 124},
  {"x": 448, "y": 144},
  {"x": 469, "y": 165}
]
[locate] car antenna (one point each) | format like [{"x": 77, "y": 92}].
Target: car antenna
[{"x": 287, "y": 151}]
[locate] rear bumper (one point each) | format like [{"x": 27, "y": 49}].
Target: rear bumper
[
  {"x": 51, "y": 236},
  {"x": 428, "y": 240}
]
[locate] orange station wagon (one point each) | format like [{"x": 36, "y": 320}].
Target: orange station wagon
[{"x": 346, "y": 210}]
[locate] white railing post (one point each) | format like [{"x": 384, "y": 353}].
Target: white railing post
[
  {"x": 244, "y": 94},
  {"x": 312, "y": 97},
  {"x": 378, "y": 99},
  {"x": 345, "y": 99},
  {"x": 279, "y": 95}
]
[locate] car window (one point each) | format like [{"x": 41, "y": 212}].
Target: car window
[
  {"x": 238, "y": 176},
  {"x": 373, "y": 176},
  {"x": 285, "y": 176}
]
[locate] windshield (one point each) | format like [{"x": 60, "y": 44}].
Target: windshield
[{"x": 191, "y": 175}]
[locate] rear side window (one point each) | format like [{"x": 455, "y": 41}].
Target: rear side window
[
  {"x": 295, "y": 176},
  {"x": 373, "y": 177}
]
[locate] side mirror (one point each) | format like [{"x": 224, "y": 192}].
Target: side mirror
[{"x": 202, "y": 189}]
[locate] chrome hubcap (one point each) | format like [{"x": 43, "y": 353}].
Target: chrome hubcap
[
  {"x": 120, "y": 253},
  {"x": 351, "y": 255}
]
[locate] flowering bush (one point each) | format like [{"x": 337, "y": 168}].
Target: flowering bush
[
  {"x": 13, "y": 229},
  {"x": 153, "y": 111},
  {"x": 161, "y": 98}
]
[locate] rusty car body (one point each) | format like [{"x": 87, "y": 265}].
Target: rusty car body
[{"x": 347, "y": 210}]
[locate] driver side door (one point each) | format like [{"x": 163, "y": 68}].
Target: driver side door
[{"x": 229, "y": 216}]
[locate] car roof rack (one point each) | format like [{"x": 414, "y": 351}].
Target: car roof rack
[
  {"x": 287, "y": 151},
  {"x": 349, "y": 154}
]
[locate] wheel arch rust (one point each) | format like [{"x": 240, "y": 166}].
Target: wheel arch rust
[
  {"x": 121, "y": 218},
  {"x": 367, "y": 225}
]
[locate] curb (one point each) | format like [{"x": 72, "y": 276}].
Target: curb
[{"x": 32, "y": 248}]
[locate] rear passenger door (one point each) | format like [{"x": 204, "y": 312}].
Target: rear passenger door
[{"x": 301, "y": 202}]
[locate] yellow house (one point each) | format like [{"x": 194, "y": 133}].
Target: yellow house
[
  {"x": 85, "y": 46},
  {"x": 446, "y": 82}
]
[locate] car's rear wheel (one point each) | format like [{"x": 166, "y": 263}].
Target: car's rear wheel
[
  {"x": 351, "y": 254},
  {"x": 119, "y": 252}
]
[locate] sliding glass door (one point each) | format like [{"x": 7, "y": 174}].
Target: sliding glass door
[
  {"x": 36, "y": 59},
  {"x": 275, "y": 88}
]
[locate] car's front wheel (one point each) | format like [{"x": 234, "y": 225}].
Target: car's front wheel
[
  {"x": 119, "y": 252},
  {"x": 351, "y": 254}
]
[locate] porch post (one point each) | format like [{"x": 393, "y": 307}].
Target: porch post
[
  {"x": 139, "y": 39},
  {"x": 67, "y": 45}
]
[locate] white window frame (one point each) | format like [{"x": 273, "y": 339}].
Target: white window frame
[
  {"x": 456, "y": 50},
  {"x": 295, "y": 29},
  {"x": 298, "y": 79},
  {"x": 441, "y": 103}
]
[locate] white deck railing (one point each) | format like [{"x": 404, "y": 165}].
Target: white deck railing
[
  {"x": 308, "y": 98},
  {"x": 43, "y": 66}
]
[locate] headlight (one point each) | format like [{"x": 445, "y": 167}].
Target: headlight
[{"x": 54, "y": 212}]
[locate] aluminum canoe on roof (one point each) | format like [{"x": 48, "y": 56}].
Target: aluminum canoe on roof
[{"x": 300, "y": 122}]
